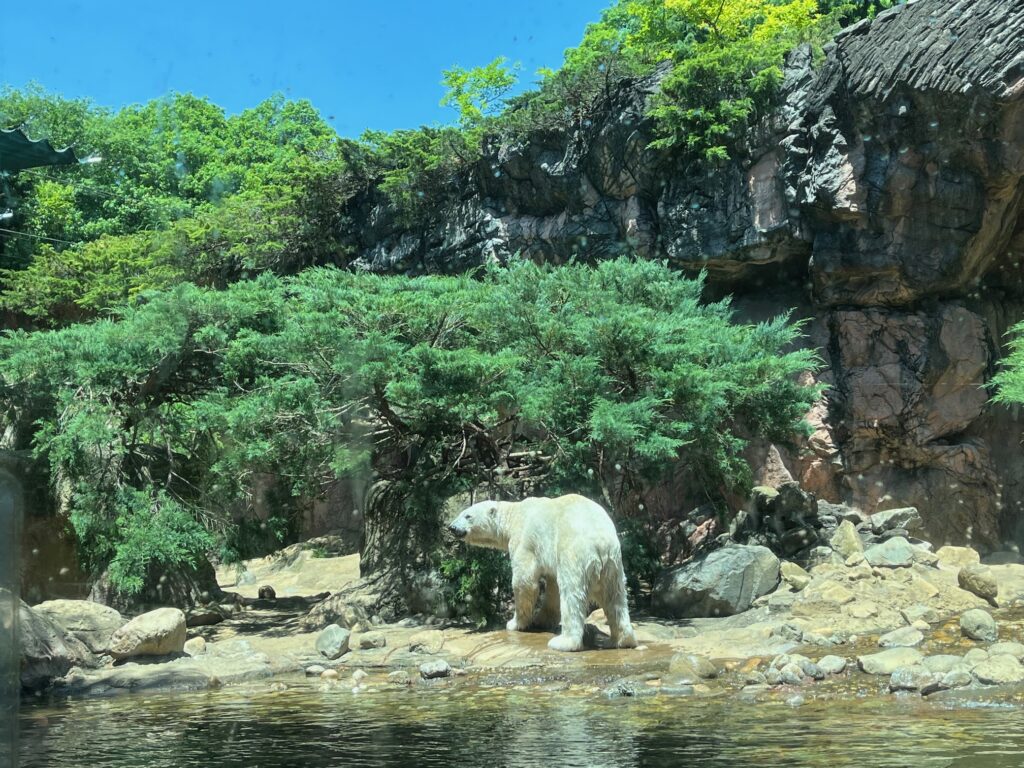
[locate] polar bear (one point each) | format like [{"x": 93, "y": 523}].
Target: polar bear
[{"x": 571, "y": 543}]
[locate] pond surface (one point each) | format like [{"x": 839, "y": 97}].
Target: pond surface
[{"x": 308, "y": 727}]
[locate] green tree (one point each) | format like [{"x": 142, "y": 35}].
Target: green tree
[{"x": 479, "y": 92}]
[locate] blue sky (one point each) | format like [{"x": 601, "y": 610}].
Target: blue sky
[{"x": 363, "y": 64}]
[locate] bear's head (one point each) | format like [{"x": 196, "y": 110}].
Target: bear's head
[{"x": 482, "y": 525}]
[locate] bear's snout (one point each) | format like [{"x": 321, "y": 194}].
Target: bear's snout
[{"x": 459, "y": 533}]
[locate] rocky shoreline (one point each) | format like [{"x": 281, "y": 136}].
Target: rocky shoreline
[{"x": 893, "y": 617}]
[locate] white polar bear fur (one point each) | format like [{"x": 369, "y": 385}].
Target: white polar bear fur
[{"x": 570, "y": 542}]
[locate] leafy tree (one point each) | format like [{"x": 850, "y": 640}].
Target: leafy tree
[{"x": 479, "y": 92}]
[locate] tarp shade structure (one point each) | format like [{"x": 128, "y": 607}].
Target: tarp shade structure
[{"x": 18, "y": 151}]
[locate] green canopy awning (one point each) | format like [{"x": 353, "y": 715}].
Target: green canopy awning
[{"x": 18, "y": 151}]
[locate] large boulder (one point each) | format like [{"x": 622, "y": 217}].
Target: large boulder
[
  {"x": 90, "y": 622},
  {"x": 722, "y": 583},
  {"x": 47, "y": 650},
  {"x": 157, "y": 633}
]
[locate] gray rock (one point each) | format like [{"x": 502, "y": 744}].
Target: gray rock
[
  {"x": 755, "y": 678},
  {"x": 722, "y": 583},
  {"x": 812, "y": 670},
  {"x": 979, "y": 625},
  {"x": 791, "y": 674},
  {"x": 832, "y": 665},
  {"x": 332, "y": 643},
  {"x": 846, "y": 541},
  {"x": 896, "y": 552},
  {"x": 904, "y": 637},
  {"x": 157, "y": 633},
  {"x": 912, "y": 678},
  {"x": 888, "y": 661},
  {"x": 999, "y": 670},
  {"x": 942, "y": 663},
  {"x": 794, "y": 575},
  {"x": 692, "y": 667},
  {"x": 399, "y": 677},
  {"x": 773, "y": 677},
  {"x": 314, "y": 670},
  {"x": 48, "y": 651},
  {"x": 90, "y": 622},
  {"x": 906, "y": 518},
  {"x": 920, "y": 613},
  {"x": 369, "y": 640},
  {"x": 978, "y": 580},
  {"x": 431, "y": 670},
  {"x": 1008, "y": 649},
  {"x": 957, "y": 678},
  {"x": 196, "y": 646},
  {"x": 975, "y": 656}
]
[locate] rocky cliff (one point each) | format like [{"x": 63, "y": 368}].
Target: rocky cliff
[{"x": 884, "y": 201}]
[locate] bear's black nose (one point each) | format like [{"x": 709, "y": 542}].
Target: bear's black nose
[{"x": 457, "y": 532}]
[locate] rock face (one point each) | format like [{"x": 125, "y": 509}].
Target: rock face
[
  {"x": 884, "y": 201},
  {"x": 91, "y": 623},
  {"x": 47, "y": 650},
  {"x": 722, "y": 583},
  {"x": 157, "y": 633}
]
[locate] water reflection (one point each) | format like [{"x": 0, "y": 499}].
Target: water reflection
[{"x": 514, "y": 728}]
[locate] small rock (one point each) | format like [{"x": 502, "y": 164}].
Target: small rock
[
  {"x": 792, "y": 674},
  {"x": 896, "y": 552},
  {"x": 846, "y": 541},
  {"x": 832, "y": 665},
  {"x": 833, "y": 592},
  {"x": 314, "y": 670},
  {"x": 912, "y": 678},
  {"x": 692, "y": 666},
  {"x": 399, "y": 677},
  {"x": 329, "y": 674},
  {"x": 904, "y": 637},
  {"x": 857, "y": 558},
  {"x": 978, "y": 580},
  {"x": 370, "y": 640},
  {"x": 755, "y": 678},
  {"x": 1008, "y": 649},
  {"x": 957, "y": 557},
  {"x": 358, "y": 676},
  {"x": 862, "y": 609},
  {"x": 433, "y": 670},
  {"x": 195, "y": 647},
  {"x": 794, "y": 575},
  {"x": 812, "y": 670},
  {"x": 796, "y": 700},
  {"x": 978, "y": 625},
  {"x": 888, "y": 661},
  {"x": 920, "y": 613},
  {"x": 773, "y": 677},
  {"x": 999, "y": 670},
  {"x": 428, "y": 641},
  {"x": 907, "y": 518},
  {"x": 332, "y": 643},
  {"x": 975, "y": 656},
  {"x": 923, "y": 557},
  {"x": 813, "y": 638},
  {"x": 957, "y": 678},
  {"x": 942, "y": 663}
]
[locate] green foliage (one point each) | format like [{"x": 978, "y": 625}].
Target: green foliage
[
  {"x": 1008, "y": 383},
  {"x": 477, "y": 581},
  {"x": 597, "y": 380},
  {"x": 479, "y": 92}
]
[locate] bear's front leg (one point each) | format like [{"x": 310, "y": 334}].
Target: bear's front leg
[{"x": 525, "y": 586}]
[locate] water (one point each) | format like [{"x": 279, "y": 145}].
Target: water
[{"x": 304, "y": 726}]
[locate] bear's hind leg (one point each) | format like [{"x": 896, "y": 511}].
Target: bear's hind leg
[
  {"x": 616, "y": 610},
  {"x": 573, "y": 607},
  {"x": 550, "y": 610}
]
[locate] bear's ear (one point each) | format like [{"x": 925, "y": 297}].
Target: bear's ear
[{"x": 493, "y": 511}]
